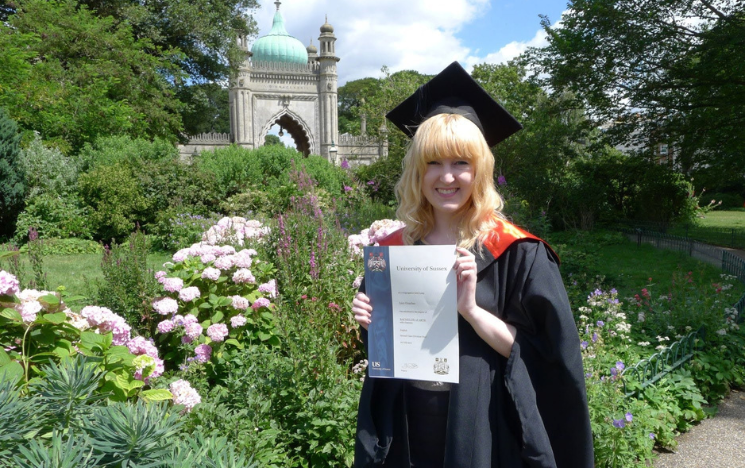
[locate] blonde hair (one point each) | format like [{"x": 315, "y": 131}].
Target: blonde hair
[{"x": 448, "y": 136}]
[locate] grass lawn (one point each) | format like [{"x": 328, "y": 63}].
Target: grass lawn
[
  {"x": 629, "y": 267},
  {"x": 731, "y": 219},
  {"x": 77, "y": 273}
]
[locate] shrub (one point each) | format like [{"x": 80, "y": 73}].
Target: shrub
[
  {"x": 115, "y": 198},
  {"x": 113, "y": 150},
  {"x": 52, "y": 215},
  {"x": 210, "y": 284},
  {"x": 128, "y": 286},
  {"x": 176, "y": 230},
  {"x": 47, "y": 170},
  {"x": 12, "y": 187},
  {"x": 729, "y": 200}
]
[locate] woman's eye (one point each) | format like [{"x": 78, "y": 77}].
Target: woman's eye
[
  {"x": 461, "y": 163},
  {"x": 433, "y": 163}
]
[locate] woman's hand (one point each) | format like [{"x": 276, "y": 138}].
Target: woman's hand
[
  {"x": 497, "y": 334},
  {"x": 362, "y": 310},
  {"x": 465, "y": 273}
]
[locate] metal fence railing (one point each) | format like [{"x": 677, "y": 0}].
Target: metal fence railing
[
  {"x": 726, "y": 237},
  {"x": 650, "y": 370}
]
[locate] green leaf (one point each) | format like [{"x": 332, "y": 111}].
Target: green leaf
[
  {"x": 217, "y": 317},
  {"x": 4, "y": 358},
  {"x": 11, "y": 371},
  {"x": 234, "y": 342},
  {"x": 128, "y": 383},
  {"x": 157, "y": 394},
  {"x": 56, "y": 319},
  {"x": 50, "y": 300},
  {"x": 12, "y": 314},
  {"x": 263, "y": 336}
]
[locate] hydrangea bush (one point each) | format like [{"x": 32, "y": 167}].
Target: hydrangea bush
[
  {"x": 36, "y": 326},
  {"x": 216, "y": 297},
  {"x": 373, "y": 235}
]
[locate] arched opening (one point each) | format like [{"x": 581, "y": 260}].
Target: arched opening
[{"x": 286, "y": 125}]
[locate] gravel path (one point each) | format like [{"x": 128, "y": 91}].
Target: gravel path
[{"x": 717, "y": 442}]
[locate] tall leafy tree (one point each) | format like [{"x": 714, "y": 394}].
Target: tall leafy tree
[
  {"x": 658, "y": 71},
  {"x": 204, "y": 31},
  {"x": 12, "y": 187},
  {"x": 555, "y": 132},
  {"x": 78, "y": 76}
]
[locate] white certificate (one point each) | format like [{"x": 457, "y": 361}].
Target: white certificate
[{"x": 414, "y": 329}]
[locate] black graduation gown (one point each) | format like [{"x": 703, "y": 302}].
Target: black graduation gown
[{"x": 528, "y": 410}]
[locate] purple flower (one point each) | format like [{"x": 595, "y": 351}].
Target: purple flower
[
  {"x": 651, "y": 435},
  {"x": 620, "y": 366},
  {"x": 501, "y": 180},
  {"x": 629, "y": 417},
  {"x": 594, "y": 337},
  {"x": 584, "y": 344},
  {"x": 613, "y": 291},
  {"x": 344, "y": 164},
  {"x": 613, "y": 371},
  {"x": 347, "y": 188},
  {"x": 260, "y": 302},
  {"x": 165, "y": 326},
  {"x": 600, "y": 323},
  {"x": 619, "y": 423}
]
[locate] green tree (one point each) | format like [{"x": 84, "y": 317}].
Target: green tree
[
  {"x": 203, "y": 31},
  {"x": 533, "y": 161},
  {"x": 375, "y": 101},
  {"x": 273, "y": 140},
  {"x": 662, "y": 71},
  {"x": 12, "y": 186},
  {"x": 79, "y": 76},
  {"x": 207, "y": 108}
]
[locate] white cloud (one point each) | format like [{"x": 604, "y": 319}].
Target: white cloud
[{"x": 417, "y": 35}]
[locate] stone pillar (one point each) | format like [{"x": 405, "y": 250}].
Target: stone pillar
[{"x": 328, "y": 91}]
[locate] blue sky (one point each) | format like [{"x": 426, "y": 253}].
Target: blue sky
[{"x": 424, "y": 35}]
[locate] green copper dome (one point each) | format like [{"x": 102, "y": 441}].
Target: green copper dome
[{"x": 278, "y": 45}]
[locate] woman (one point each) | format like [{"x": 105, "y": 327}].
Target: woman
[{"x": 520, "y": 400}]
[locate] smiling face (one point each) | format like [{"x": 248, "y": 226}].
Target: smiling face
[{"x": 448, "y": 185}]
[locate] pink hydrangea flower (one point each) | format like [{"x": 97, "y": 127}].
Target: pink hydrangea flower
[
  {"x": 211, "y": 274},
  {"x": 269, "y": 287},
  {"x": 173, "y": 284},
  {"x": 193, "y": 330},
  {"x": 184, "y": 394},
  {"x": 29, "y": 310},
  {"x": 237, "y": 321},
  {"x": 139, "y": 346},
  {"x": 260, "y": 302},
  {"x": 189, "y": 294},
  {"x": 243, "y": 276},
  {"x": 180, "y": 256},
  {"x": 208, "y": 257},
  {"x": 217, "y": 332},
  {"x": 240, "y": 303},
  {"x": 9, "y": 284},
  {"x": 357, "y": 282},
  {"x": 166, "y": 306},
  {"x": 225, "y": 263},
  {"x": 166, "y": 326},
  {"x": 160, "y": 275},
  {"x": 203, "y": 353},
  {"x": 243, "y": 259},
  {"x": 189, "y": 318}
]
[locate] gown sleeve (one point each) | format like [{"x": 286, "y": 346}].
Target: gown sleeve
[{"x": 544, "y": 374}]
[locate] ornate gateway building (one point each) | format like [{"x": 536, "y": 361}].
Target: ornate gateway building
[{"x": 284, "y": 83}]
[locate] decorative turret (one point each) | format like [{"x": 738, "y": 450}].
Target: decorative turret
[
  {"x": 278, "y": 45},
  {"x": 312, "y": 52},
  {"x": 328, "y": 89}
]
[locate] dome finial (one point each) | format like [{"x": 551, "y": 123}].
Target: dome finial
[
  {"x": 278, "y": 3},
  {"x": 327, "y": 28}
]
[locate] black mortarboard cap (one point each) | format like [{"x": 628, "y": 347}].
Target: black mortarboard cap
[{"x": 453, "y": 91}]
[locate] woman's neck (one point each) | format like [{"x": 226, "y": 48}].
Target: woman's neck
[{"x": 445, "y": 232}]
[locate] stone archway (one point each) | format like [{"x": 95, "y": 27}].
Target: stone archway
[{"x": 294, "y": 128}]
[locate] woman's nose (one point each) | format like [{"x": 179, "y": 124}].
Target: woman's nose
[{"x": 447, "y": 174}]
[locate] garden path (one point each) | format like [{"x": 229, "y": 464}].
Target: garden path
[{"x": 717, "y": 442}]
